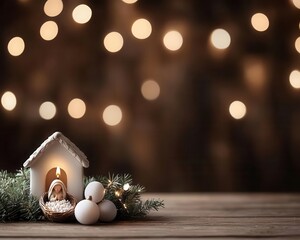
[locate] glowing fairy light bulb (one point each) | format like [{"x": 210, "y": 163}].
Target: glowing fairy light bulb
[
  {"x": 8, "y": 101},
  {"x": 295, "y": 79},
  {"x": 112, "y": 115},
  {"x": 76, "y": 108},
  {"x": 237, "y": 109},
  {"x": 126, "y": 186},
  {"x": 113, "y": 42},
  {"x": 141, "y": 28},
  {"x": 220, "y": 38},
  {"x": 117, "y": 193},
  {"x": 260, "y": 22},
  {"x": 49, "y": 30},
  {"x": 16, "y": 46},
  {"x": 150, "y": 90},
  {"x": 173, "y": 40},
  {"x": 82, "y": 14},
  {"x": 47, "y": 110},
  {"x": 53, "y": 8}
]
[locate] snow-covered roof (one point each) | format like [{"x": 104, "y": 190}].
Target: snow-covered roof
[{"x": 65, "y": 142}]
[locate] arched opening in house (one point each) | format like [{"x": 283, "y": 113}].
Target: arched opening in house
[{"x": 55, "y": 173}]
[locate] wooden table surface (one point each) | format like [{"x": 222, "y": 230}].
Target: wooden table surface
[{"x": 186, "y": 215}]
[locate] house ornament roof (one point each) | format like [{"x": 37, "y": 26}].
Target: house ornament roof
[{"x": 65, "y": 142}]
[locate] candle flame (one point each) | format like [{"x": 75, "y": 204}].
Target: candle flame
[{"x": 57, "y": 172}]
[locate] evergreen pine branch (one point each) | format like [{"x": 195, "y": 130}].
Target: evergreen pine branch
[
  {"x": 15, "y": 201},
  {"x": 128, "y": 202}
]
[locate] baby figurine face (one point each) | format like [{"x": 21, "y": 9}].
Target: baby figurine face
[
  {"x": 57, "y": 188},
  {"x": 57, "y": 191}
]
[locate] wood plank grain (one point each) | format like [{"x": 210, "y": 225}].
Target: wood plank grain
[
  {"x": 186, "y": 216},
  {"x": 233, "y": 205}
]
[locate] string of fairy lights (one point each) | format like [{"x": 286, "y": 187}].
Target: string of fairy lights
[{"x": 220, "y": 40}]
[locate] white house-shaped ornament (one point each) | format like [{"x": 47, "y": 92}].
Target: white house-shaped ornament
[{"x": 57, "y": 157}]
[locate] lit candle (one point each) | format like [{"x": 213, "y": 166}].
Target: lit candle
[{"x": 57, "y": 172}]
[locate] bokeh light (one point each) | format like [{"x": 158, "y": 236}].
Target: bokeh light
[
  {"x": 141, "y": 28},
  {"x": 53, "y": 8},
  {"x": 113, "y": 42},
  {"x": 297, "y": 44},
  {"x": 220, "y": 38},
  {"x": 76, "y": 108},
  {"x": 237, "y": 109},
  {"x": 295, "y": 79},
  {"x": 8, "y": 101},
  {"x": 16, "y": 46},
  {"x": 129, "y": 1},
  {"x": 82, "y": 14},
  {"x": 49, "y": 30},
  {"x": 112, "y": 115},
  {"x": 173, "y": 40},
  {"x": 126, "y": 186},
  {"x": 296, "y": 3},
  {"x": 47, "y": 110},
  {"x": 260, "y": 22},
  {"x": 255, "y": 73},
  {"x": 150, "y": 90}
]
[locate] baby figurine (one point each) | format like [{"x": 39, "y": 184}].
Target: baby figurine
[{"x": 57, "y": 191}]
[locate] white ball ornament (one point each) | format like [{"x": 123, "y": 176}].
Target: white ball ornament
[
  {"x": 108, "y": 211},
  {"x": 95, "y": 190},
  {"x": 87, "y": 212}
]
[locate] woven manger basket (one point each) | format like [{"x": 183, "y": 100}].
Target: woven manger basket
[{"x": 57, "y": 216}]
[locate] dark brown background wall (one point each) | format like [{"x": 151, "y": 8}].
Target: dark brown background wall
[{"x": 186, "y": 139}]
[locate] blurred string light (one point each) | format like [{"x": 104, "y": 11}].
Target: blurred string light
[
  {"x": 255, "y": 73},
  {"x": 113, "y": 42},
  {"x": 53, "y": 8},
  {"x": 49, "y": 30},
  {"x": 47, "y": 110},
  {"x": 8, "y": 101},
  {"x": 76, "y": 108},
  {"x": 260, "y": 22},
  {"x": 150, "y": 90},
  {"x": 82, "y": 13},
  {"x": 112, "y": 115},
  {"x": 295, "y": 79},
  {"x": 296, "y": 3},
  {"x": 141, "y": 28},
  {"x": 126, "y": 186},
  {"x": 173, "y": 40},
  {"x": 16, "y": 46},
  {"x": 237, "y": 109},
  {"x": 220, "y": 38},
  {"x": 129, "y": 1},
  {"x": 297, "y": 44}
]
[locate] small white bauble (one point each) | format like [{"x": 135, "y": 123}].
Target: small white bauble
[
  {"x": 108, "y": 211},
  {"x": 87, "y": 212},
  {"x": 95, "y": 190}
]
